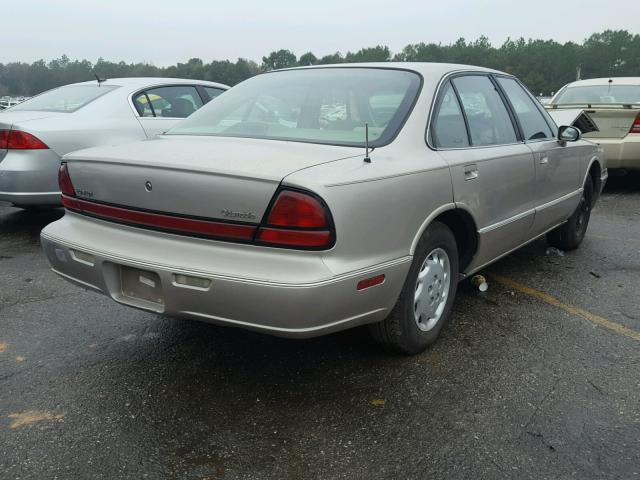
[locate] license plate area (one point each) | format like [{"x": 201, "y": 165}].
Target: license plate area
[{"x": 141, "y": 286}]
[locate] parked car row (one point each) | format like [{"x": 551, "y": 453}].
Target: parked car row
[
  {"x": 309, "y": 200},
  {"x": 6, "y": 101},
  {"x": 37, "y": 133}
]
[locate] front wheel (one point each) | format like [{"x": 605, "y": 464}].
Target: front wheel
[
  {"x": 427, "y": 296},
  {"x": 569, "y": 235}
]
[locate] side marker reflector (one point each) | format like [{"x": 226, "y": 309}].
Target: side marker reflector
[{"x": 370, "y": 282}]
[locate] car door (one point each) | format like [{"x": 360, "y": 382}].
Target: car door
[
  {"x": 492, "y": 171},
  {"x": 160, "y": 108},
  {"x": 557, "y": 166}
]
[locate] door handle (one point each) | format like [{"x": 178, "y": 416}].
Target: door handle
[
  {"x": 544, "y": 159},
  {"x": 470, "y": 172}
]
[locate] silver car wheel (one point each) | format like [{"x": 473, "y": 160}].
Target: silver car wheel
[{"x": 432, "y": 289}]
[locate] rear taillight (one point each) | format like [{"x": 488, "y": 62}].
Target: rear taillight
[
  {"x": 635, "y": 128},
  {"x": 297, "y": 220},
  {"x": 64, "y": 181},
  {"x": 18, "y": 140}
]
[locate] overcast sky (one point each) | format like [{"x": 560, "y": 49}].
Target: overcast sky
[{"x": 165, "y": 32}]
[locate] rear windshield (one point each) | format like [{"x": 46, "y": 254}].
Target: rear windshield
[
  {"x": 599, "y": 94},
  {"x": 65, "y": 99},
  {"x": 324, "y": 105}
]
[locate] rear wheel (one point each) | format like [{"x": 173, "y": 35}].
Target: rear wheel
[
  {"x": 570, "y": 234},
  {"x": 427, "y": 296}
]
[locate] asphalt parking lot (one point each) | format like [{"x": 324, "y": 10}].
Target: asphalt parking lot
[{"x": 537, "y": 378}]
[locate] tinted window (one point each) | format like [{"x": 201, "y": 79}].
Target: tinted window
[
  {"x": 534, "y": 126},
  {"x": 213, "y": 92},
  {"x": 177, "y": 101},
  {"x": 324, "y": 105},
  {"x": 449, "y": 130},
  {"x": 599, "y": 94},
  {"x": 489, "y": 121},
  {"x": 65, "y": 99}
]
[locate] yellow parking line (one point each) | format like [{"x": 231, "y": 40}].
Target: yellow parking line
[{"x": 578, "y": 312}]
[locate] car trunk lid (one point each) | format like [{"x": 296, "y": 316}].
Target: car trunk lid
[
  {"x": 230, "y": 179},
  {"x": 613, "y": 121},
  {"x": 10, "y": 118}
]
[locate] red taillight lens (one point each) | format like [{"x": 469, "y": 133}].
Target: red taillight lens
[
  {"x": 64, "y": 181},
  {"x": 296, "y": 209},
  {"x": 297, "y": 220},
  {"x": 295, "y": 238},
  {"x": 18, "y": 140},
  {"x": 635, "y": 128},
  {"x": 4, "y": 139}
]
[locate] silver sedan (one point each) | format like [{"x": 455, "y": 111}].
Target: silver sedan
[
  {"x": 311, "y": 200},
  {"x": 35, "y": 134}
]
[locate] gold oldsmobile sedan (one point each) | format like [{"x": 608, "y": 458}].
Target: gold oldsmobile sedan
[
  {"x": 311, "y": 200},
  {"x": 614, "y": 105}
]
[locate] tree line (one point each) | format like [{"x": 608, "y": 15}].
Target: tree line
[{"x": 543, "y": 65}]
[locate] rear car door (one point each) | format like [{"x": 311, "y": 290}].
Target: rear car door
[
  {"x": 557, "y": 165},
  {"x": 492, "y": 171},
  {"x": 160, "y": 108}
]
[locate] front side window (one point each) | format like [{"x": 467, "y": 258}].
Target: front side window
[
  {"x": 323, "y": 105},
  {"x": 487, "y": 115},
  {"x": 534, "y": 126},
  {"x": 449, "y": 130},
  {"x": 65, "y": 99},
  {"x": 599, "y": 94},
  {"x": 178, "y": 101}
]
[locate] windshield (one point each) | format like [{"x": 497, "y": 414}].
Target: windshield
[
  {"x": 323, "y": 105},
  {"x": 599, "y": 94},
  {"x": 65, "y": 99}
]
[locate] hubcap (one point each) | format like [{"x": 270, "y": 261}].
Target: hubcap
[{"x": 432, "y": 289}]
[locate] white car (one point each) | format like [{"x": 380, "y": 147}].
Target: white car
[{"x": 35, "y": 134}]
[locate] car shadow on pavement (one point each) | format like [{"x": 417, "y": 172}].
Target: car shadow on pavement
[
  {"x": 621, "y": 182},
  {"x": 32, "y": 221}
]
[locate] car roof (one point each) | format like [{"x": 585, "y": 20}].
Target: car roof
[
  {"x": 141, "y": 82},
  {"x": 425, "y": 68},
  {"x": 605, "y": 81}
]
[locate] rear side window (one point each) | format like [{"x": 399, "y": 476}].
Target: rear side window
[
  {"x": 65, "y": 99},
  {"x": 178, "y": 101},
  {"x": 213, "y": 92},
  {"x": 449, "y": 130},
  {"x": 487, "y": 115},
  {"x": 534, "y": 126}
]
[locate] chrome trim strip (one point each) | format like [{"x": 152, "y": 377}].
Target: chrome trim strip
[
  {"x": 559, "y": 200},
  {"x": 228, "y": 278},
  {"x": 506, "y": 221},
  {"x": 281, "y": 329},
  {"x": 522, "y": 215},
  {"x": 471, "y": 272}
]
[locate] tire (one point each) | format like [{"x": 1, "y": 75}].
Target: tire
[
  {"x": 401, "y": 331},
  {"x": 570, "y": 234}
]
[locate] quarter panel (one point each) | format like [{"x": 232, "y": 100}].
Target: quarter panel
[{"x": 378, "y": 207}]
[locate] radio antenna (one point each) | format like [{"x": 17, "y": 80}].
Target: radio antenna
[{"x": 367, "y": 159}]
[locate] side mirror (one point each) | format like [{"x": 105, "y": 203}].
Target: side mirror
[{"x": 568, "y": 134}]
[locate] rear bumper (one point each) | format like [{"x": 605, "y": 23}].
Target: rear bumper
[
  {"x": 290, "y": 294},
  {"x": 621, "y": 152},
  {"x": 29, "y": 177}
]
